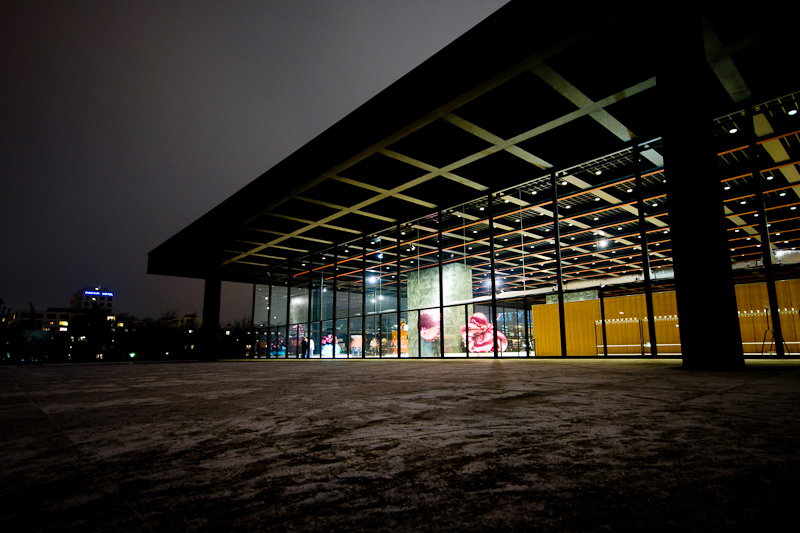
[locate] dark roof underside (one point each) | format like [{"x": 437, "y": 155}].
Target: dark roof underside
[{"x": 529, "y": 90}]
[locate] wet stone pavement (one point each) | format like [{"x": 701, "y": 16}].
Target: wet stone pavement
[{"x": 387, "y": 445}]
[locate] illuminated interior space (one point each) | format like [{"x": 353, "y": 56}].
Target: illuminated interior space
[{"x": 596, "y": 188}]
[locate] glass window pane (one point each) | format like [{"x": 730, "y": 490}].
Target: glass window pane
[
  {"x": 261, "y": 307},
  {"x": 279, "y": 305},
  {"x": 356, "y": 338},
  {"x": 371, "y": 338}
]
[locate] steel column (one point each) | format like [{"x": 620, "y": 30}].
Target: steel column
[
  {"x": 648, "y": 285},
  {"x": 363, "y": 296},
  {"x": 557, "y": 240},
  {"x": 492, "y": 274},
  {"x": 763, "y": 230},
  {"x": 441, "y": 284}
]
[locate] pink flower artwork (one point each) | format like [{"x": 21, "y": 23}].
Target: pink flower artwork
[
  {"x": 329, "y": 339},
  {"x": 429, "y": 325},
  {"x": 479, "y": 335}
]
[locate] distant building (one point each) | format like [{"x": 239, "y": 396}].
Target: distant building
[
  {"x": 54, "y": 319},
  {"x": 90, "y": 297},
  {"x": 186, "y": 323}
]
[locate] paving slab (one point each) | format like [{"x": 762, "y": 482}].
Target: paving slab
[{"x": 399, "y": 445}]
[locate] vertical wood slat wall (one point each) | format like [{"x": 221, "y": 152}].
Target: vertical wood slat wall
[
  {"x": 625, "y": 334},
  {"x": 754, "y": 321}
]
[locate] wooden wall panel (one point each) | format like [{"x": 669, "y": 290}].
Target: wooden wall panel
[
  {"x": 635, "y": 311},
  {"x": 545, "y": 330},
  {"x": 665, "y": 309},
  {"x": 623, "y": 314},
  {"x": 759, "y": 300},
  {"x": 788, "y": 313},
  {"x": 580, "y": 318},
  {"x": 616, "y": 327},
  {"x": 789, "y": 303},
  {"x": 745, "y": 319},
  {"x": 622, "y": 326}
]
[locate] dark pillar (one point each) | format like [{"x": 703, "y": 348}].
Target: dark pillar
[
  {"x": 397, "y": 298},
  {"x": 269, "y": 319},
  {"x": 492, "y": 274},
  {"x": 648, "y": 285},
  {"x": 603, "y": 320},
  {"x": 766, "y": 247},
  {"x": 333, "y": 311},
  {"x": 525, "y": 311},
  {"x": 288, "y": 326},
  {"x": 310, "y": 291},
  {"x": 364, "y": 343},
  {"x": 441, "y": 284},
  {"x": 709, "y": 324},
  {"x": 559, "y": 281},
  {"x": 253, "y": 336},
  {"x": 211, "y": 302}
]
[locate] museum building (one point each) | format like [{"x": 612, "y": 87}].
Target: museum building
[{"x": 556, "y": 182}]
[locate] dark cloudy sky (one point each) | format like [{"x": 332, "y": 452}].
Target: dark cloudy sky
[{"x": 124, "y": 121}]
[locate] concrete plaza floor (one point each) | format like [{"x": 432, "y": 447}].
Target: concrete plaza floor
[{"x": 388, "y": 445}]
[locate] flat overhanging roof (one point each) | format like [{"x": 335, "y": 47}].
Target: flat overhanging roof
[{"x": 530, "y": 90}]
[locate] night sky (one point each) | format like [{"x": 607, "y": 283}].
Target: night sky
[{"x": 125, "y": 121}]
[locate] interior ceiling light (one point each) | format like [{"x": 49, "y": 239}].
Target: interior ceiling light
[
  {"x": 654, "y": 204},
  {"x": 595, "y": 218},
  {"x": 630, "y": 190},
  {"x": 733, "y": 130},
  {"x": 481, "y": 209},
  {"x": 770, "y": 177},
  {"x": 727, "y": 187},
  {"x": 792, "y": 112},
  {"x": 783, "y": 194},
  {"x": 597, "y": 199},
  {"x": 598, "y": 172},
  {"x": 567, "y": 206},
  {"x": 564, "y": 182}
]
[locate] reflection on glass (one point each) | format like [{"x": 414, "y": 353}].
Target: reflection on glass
[
  {"x": 330, "y": 347},
  {"x": 429, "y": 332},
  {"x": 478, "y": 333}
]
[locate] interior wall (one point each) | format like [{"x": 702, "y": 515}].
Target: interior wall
[
  {"x": 755, "y": 321},
  {"x": 627, "y": 331}
]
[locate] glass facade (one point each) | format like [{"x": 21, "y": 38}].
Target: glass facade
[{"x": 573, "y": 263}]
